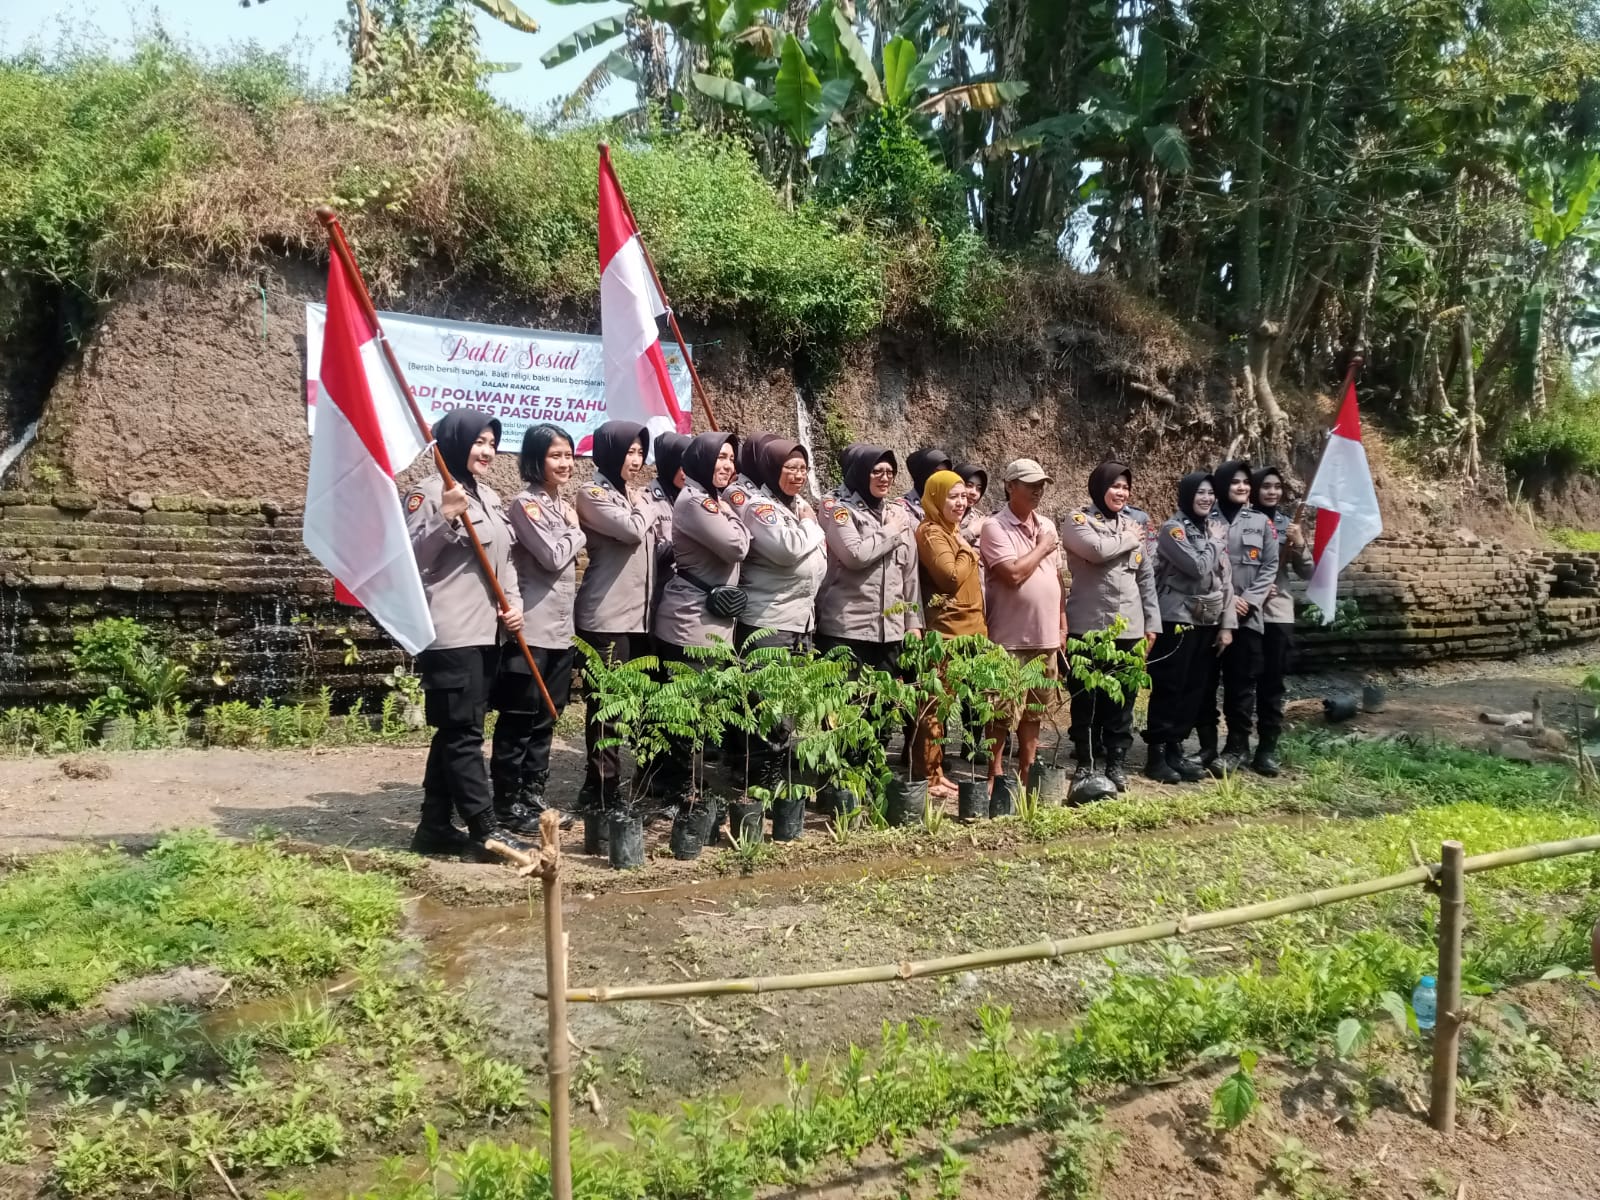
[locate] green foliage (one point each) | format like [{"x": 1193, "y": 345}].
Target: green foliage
[
  {"x": 73, "y": 923},
  {"x": 893, "y": 179},
  {"x": 1561, "y": 441},
  {"x": 1236, "y": 1099}
]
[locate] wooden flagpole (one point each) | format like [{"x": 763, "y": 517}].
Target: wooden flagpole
[
  {"x": 337, "y": 243},
  {"x": 672, "y": 317}
]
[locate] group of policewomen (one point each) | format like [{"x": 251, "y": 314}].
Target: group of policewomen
[{"x": 722, "y": 544}]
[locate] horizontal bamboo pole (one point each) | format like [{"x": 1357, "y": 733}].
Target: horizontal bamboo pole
[{"x": 1082, "y": 944}]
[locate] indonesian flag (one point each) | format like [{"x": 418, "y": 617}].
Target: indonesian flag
[
  {"x": 1346, "y": 504},
  {"x": 365, "y": 433},
  {"x": 637, "y": 385}
]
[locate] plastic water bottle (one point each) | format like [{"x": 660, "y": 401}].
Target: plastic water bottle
[{"x": 1425, "y": 1003}]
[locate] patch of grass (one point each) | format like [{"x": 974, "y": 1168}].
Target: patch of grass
[
  {"x": 73, "y": 923},
  {"x": 1576, "y": 539}
]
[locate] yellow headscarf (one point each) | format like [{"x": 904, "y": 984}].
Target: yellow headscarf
[{"x": 935, "y": 492}]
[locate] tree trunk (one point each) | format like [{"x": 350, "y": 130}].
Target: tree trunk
[
  {"x": 1470, "y": 402},
  {"x": 1358, "y": 337},
  {"x": 1249, "y": 294}
]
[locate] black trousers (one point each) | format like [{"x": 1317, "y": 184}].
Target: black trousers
[
  {"x": 1238, "y": 668},
  {"x": 767, "y": 753},
  {"x": 1101, "y": 725},
  {"x": 1179, "y": 665},
  {"x": 881, "y": 656},
  {"x": 1277, "y": 644},
  {"x": 522, "y": 736},
  {"x": 603, "y": 775},
  {"x": 455, "y": 700}
]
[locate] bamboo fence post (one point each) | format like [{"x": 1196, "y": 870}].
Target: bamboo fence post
[
  {"x": 1447, "y": 1020},
  {"x": 558, "y": 1058}
]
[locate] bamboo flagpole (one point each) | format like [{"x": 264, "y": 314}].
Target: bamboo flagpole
[
  {"x": 340, "y": 247},
  {"x": 1059, "y": 948},
  {"x": 655, "y": 276},
  {"x": 558, "y": 1061}
]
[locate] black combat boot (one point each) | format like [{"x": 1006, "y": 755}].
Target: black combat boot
[
  {"x": 436, "y": 834},
  {"x": 1117, "y": 768},
  {"x": 1157, "y": 765},
  {"x": 1085, "y": 760},
  {"x": 1186, "y": 768},
  {"x": 486, "y": 830},
  {"x": 1206, "y": 735},
  {"x": 1232, "y": 756},
  {"x": 1266, "y": 760}
]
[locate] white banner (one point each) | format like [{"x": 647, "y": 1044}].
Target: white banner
[{"x": 524, "y": 377}]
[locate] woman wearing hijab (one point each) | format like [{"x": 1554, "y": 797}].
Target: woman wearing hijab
[
  {"x": 869, "y": 598},
  {"x": 746, "y": 483},
  {"x": 1195, "y": 594},
  {"x": 922, "y": 464},
  {"x": 709, "y": 541},
  {"x": 458, "y": 667},
  {"x": 1112, "y": 577},
  {"x": 546, "y": 542},
  {"x": 952, "y": 601},
  {"x": 977, "y": 480},
  {"x": 1252, "y": 546},
  {"x": 780, "y": 576},
  {"x": 613, "y": 607},
  {"x": 659, "y": 498},
  {"x": 1277, "y": 615}
]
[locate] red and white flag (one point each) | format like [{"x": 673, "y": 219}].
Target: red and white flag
[
  {"x": 1346, "y": 504},
  {"x": 638, "y": 387},
  {"x": 365, "y": 433}
]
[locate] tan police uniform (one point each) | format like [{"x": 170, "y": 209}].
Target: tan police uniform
[
  {"x": 458, "y": 668},
  {"x": 1111, "y": 574},
  {"x": 547, "y": 540},
  {"x": 784, "y": 567},
  {"x": 870, "y": 593},
  {"x": 614, "y": 597},
  {"x": 709, "y": 542}
]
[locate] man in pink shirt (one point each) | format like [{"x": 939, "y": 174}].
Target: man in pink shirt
[{"x": 1023, "y": 598}]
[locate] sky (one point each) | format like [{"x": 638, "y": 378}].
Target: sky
[{"x": 305, "y": 29}]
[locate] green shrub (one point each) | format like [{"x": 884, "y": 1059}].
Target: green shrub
[{"x": 1563, "y": 440}]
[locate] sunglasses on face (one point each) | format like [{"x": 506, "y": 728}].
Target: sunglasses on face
[{"x": 882, "y": 473}]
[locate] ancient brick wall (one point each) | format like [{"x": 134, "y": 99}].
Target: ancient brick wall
[
  {"x": 226, "y": 580},
  {"x": 229, "y": 583},
  {"x": 1453, "y": 597}
]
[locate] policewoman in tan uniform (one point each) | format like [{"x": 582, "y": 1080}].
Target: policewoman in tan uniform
[
  {"x": 545, "y": 546},
  {"x": 612, "y": 611},
  {"x": 1194, "y": 591},
  {"x": 1112, "y": 576},
  {"x": 459, "y": 666},
  {"x": 709, "y": 542},
  {"x": 780, "y": 576},
  {"x": 746, "y": 483},
  {"x": 1277, "y": 615},
  {"x": 1253, "y": 566},
  {"x": 870, "y": 598}
]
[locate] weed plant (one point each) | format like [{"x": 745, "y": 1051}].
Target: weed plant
[{"x": 73, "y": 923}]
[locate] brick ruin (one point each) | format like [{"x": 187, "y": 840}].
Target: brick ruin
[{"x": 229, "y": 583}]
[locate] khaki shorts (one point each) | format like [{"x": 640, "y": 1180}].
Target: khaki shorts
[{"x": 1040, "y": 700}]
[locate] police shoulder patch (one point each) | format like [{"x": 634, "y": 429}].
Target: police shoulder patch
[
  {"x": 1177, "y": 532},
  {"x": 737, "y": 497},
  {"x": 1079, "y": 518},
  {"x": 710, "y": 504},
  {"x": 767, "y": 514},
  {"x": 840, "y": 516},
  {"x": 597, "y": 492},
  {"x": 532, "y": 509},
  {"x": 413, "y": 502}
]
